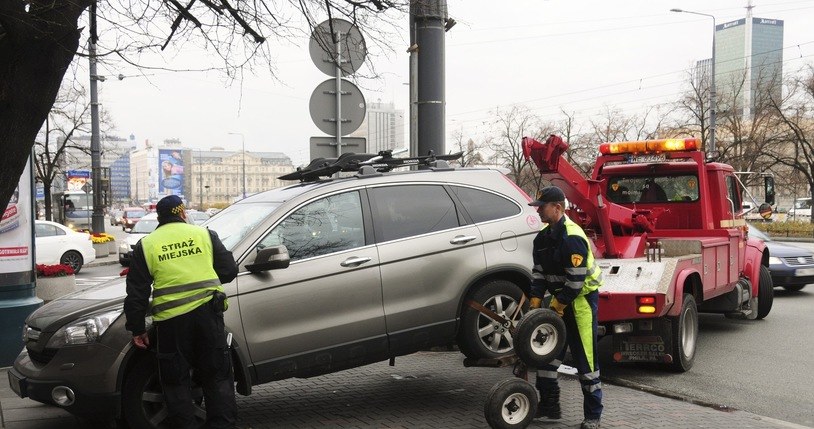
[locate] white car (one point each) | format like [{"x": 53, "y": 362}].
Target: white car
[
  {"x": 58, "y": 244},
  {"x": 144, "y": 226}
]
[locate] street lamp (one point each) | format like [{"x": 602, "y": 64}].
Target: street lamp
[
  {"x": 243, "y": 148},
  {"x": 712, "y": 90}
]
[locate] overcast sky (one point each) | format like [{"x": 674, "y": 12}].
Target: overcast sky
[{"x": 576, "y": 55}]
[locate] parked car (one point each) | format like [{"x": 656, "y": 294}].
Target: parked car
[
  {"x": 334, "y": 274},
  {"x": 144, "y": 226},
  {"x": 58, "y": 244},
  {"x": 792, "y": 267},
  {"x": 801, "y": 210},
  {"x": 196, "y": 217},
  {"x": 130, "y": 216},
  {"x": 115, "y": 217},
  {"x": 212, "y": 211}
]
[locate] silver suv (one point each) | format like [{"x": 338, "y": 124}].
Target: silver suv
[{"x": 334, "y": 274}]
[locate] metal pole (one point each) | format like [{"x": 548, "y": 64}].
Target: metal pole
[
  {"x": 98, "y": 218},
  {"x": 413, "y": 87},
  {"x": 712, "y": 90},
  {"x": 430, "y": 34},
  {"x": 338, "y": 94}
]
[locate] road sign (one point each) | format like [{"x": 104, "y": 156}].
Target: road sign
[
  {"x": 325, "y": 147},
  {"x": 323, "y": 107},
  {"x": 322, "y": 47}
]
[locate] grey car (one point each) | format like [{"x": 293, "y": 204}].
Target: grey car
[{"x": 334, "y": 274}]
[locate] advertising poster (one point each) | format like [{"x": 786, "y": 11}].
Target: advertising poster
[
  {"x": 170, "y": 172},
  {"x": 15, "y": 231},
  {"x": 76, "y": 179}
]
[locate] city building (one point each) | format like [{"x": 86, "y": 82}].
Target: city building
[
  {"x": 748, "y": 63},
  {"x": 383, "y": 127}
]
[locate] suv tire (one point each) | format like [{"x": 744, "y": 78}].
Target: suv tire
[
  {"x": 500, "y": 296},
  {"x": 143, "y": 397}
]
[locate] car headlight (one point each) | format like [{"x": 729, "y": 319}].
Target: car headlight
[
  {"x": 86, "y": 330},
  {"x": 124, "y": 247},
  {"x": 774, "y": 260}
]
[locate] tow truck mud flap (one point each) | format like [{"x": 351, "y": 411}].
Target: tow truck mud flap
[{"x": 649, "y": 342}]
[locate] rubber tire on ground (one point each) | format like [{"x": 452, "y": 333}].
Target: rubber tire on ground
[
  {"x": 512, "y": 403},
  {"x": 73, "y": 259},
  {"x": 765, "y": 293},
  {"x": 469, "y": 341},
  {"x": 539, "y": 337},
  {"x": 681, "y": 337},
  {"x": 794, "y": 288},
  {"x": 143, "y": 398}
]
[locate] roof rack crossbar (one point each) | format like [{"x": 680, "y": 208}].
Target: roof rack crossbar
[{"x": 350, "y": 162}]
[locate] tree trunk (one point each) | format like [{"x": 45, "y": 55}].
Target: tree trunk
[{"x": 35, "y": 52}]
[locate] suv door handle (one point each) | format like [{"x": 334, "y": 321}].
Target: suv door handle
[
  {"x": 354, "y": 261},
  {"x": 462, "y": 239}
]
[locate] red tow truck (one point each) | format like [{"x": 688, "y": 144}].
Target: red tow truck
[{"x": 669, "y": 235}]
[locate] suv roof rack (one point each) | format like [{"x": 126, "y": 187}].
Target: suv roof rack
[{"x": 379, "y": 163}]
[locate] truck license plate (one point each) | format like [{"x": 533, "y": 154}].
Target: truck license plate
[
  {"x": 647, "y": 159},
  {"x": 800, "y": 272},
  {"x": 16, "y": 384}
]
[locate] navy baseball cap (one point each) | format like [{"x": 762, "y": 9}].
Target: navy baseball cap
[
  {"x": 549, "y": 194},
  {"x": 171, "y": 205}
]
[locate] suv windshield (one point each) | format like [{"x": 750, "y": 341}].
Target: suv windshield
[
  {"x": 237, "y": 221},
  {"x": 653, "y": 189}
]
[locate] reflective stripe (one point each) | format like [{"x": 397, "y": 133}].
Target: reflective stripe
[
  {"x": 556, "y": 362},
  {"x": 179, "y": 302},
  {"x": 590, "y": 388},
  {"x": 578, "y": 271},
  {"x": 538, "y": 268},
  {"x": 537, "y": 276},
  {"x": 555, "y": 278},
  {"x": 589, "y": 376},
  {"x": 575, "y": 285},
  {"x": 546, "y": 374},
  {"x": 187, "y": 287}
]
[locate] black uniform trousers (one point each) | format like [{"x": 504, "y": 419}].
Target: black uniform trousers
[{"x": 196, "y": 340}]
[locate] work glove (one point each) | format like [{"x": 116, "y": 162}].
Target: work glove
[
  {"x": 535, "y": 303},
  {"x": 557, "y": 306}
]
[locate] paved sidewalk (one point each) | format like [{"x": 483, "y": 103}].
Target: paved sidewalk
[{"x": 425, "y": 390}]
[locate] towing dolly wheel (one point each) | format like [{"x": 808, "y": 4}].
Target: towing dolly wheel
[
  {"x": 540, "y": 337},
  {"x": 511, "y": 404}
]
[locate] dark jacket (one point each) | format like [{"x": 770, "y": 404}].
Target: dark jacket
[
  {"x": 140, "y": 281},
  {"x": 553, "y": 252}
]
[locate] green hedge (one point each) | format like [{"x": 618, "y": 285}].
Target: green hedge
[{"x": 786, "y": 229}]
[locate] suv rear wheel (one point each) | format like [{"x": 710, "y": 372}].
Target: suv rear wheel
[{"x": 480, "y": 337}]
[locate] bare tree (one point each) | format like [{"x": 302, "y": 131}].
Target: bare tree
[
  {"x": 693, "y": 107},
  {"x": 471, "y": 151},
  {"x": 39, "y": 40},
  {"x": 791, "y": 135}
]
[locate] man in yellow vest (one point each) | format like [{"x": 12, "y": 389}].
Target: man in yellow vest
[
  {"x": 186, "y": 266},
  {"x": 564, "y": 267}
]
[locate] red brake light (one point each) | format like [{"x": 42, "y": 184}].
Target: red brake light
[{"x": 647, "y": 300}]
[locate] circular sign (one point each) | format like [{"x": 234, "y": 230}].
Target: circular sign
[
  {"x": 323, "y": 107},
  {"x": 322, "y": 47},
  {"x": 765, "y": 211}
]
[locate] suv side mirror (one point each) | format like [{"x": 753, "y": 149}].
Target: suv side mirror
[
  {"x": 768, "y": 189},
  {"x": 270, "y": 258}
]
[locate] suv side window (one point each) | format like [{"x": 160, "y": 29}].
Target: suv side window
[
  {"x": 404, "y": 211},
  {"x": 327, "y": 225},
  {"x": 484, "y": 206}
]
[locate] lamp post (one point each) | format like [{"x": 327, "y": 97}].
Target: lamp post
[
  {"x": 243, "y": 149},
  {"x": 712, "y": 90}
]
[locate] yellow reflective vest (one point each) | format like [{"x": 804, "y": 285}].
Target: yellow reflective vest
[{"x": 179, "y": 257}]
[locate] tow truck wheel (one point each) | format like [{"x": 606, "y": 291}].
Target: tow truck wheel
[
  {"x": 511, "y": 404},
  {"x": 143, "y": 405},
  {"x": 540, "y": 337},
  {"x": 685, "y": 334},
  {"x": 765, "y": 293},
  {"x": 480, "y": 337}
]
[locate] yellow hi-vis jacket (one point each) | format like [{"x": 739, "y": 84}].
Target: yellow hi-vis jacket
[{"x": 179, "y": 257}]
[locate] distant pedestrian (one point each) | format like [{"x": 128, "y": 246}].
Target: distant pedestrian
[
  {"x": 564, "y": 267},
  {"x": 187, "y": 265}
]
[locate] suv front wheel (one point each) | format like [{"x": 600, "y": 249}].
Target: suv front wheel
[
  {"x": 480, "y": 337},
  {"x": 143, "y": 405}
]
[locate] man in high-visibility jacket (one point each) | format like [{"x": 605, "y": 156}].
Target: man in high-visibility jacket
[
  {"x": 186, "y": 266},
  {"x": 564, "y": 267}
]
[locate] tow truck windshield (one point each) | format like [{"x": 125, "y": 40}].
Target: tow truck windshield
[{"x": 653, "y": 189}]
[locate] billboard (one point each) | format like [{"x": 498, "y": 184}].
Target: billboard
[
  {"x": 170, "y": 172},
  {"x": 76, "y": 179},
  {"x": 15, "y": 228}
]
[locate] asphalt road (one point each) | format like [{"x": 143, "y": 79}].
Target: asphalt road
[{"x": 763, "y": 367}]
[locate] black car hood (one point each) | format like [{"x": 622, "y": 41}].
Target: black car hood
[
  {"x": 782, "y": 250},
  {"x": 58, "y": 312}
]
